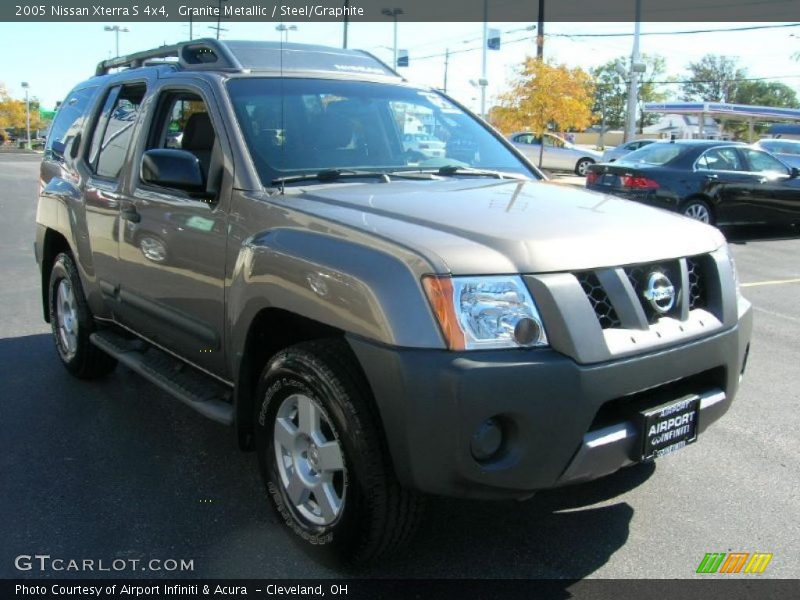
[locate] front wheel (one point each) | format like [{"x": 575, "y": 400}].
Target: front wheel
[
  {"x": 699, "y": 211},
  {"x": 72, "y": 323},
  {"x": 322, "y": 457},
  {"x": 583, "y": 166}
]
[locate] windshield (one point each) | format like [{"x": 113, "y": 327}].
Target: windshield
[
  {"x": 294, "y": 126},
  {"x": 654, "y": 154}
]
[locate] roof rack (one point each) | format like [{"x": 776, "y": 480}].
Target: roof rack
[
  {"x": 273, "y": 57},
  {"x": 199, "y": 54}
]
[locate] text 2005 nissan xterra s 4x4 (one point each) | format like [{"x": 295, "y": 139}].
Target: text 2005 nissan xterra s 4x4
[{"x": 242, "y": 224}]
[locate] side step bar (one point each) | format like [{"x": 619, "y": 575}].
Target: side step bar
[{"x": 199, "y": 391}]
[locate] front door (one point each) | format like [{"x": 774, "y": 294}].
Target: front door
[{"x": 172, "y": 243}]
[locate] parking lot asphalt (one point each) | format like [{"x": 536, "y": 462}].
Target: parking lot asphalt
[{"x": 117, "y": 469}]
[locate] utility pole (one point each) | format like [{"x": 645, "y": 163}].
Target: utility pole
[
  {"x": 636, "y": 68},
  {"x": 540, "y": 32},
  {"x": 446, "y": 64},
  {"x": 394, "y": 13},
  {"x": 346, "y": 23},
  {"x": 483, "y": 81}
]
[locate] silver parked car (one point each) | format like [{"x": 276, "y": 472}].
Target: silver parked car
[
  {"x": 617, "y": 152},
  {"x": 786, "y": 150},
  {"x": 558, "y": 154}
]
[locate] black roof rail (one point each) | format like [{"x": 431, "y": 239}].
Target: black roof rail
[{"x": 197, "y": 54}]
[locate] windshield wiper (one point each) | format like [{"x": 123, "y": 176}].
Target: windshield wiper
[
  {"x": 454, "y": 170},
  {"x": 327, "y": 175}
]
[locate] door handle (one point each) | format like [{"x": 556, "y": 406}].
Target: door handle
[
  {"x": 711, "y": 177},
  {"x": 130, "y": 214}
]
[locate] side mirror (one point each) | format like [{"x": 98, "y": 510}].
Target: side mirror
[
  {"x": 172, "y": 168},
  {"x": 794, "y": 173}
]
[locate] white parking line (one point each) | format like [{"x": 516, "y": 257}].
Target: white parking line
[{"x": 773, "y": 282}]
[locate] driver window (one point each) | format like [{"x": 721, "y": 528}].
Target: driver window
[
  {"x": 187, "y": 126},
  {"x": 764, "y": 163}
]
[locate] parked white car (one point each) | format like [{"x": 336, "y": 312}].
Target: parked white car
[
  {"x": 618, "y": 152},
  {"x": 425, "y": 144},
  {"x": 558, "y": 155}
]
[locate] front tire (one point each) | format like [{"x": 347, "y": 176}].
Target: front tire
[
  {"x": 583, "y": 166},
  {"x": 72, "y": 323},
  {"x": 322, "y": 457}
]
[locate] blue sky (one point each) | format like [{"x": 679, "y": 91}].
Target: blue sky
[{"x": 52, "y": 57}]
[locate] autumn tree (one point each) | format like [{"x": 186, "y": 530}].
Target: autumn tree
[
  {"x": 542, "y": 96},
  {"x": 12, "y": 112}
]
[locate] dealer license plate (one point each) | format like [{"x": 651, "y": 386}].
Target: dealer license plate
[{"x": 670, "y": 427}]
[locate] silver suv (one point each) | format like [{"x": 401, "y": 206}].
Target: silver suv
[{"x": 242, "y": 224}]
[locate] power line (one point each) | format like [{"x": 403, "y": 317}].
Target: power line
[{"x": 686, "y": 32}]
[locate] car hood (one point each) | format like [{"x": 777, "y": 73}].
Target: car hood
[{"x": 482, "y": 226}]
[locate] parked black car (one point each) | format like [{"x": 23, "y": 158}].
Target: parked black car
[{"x": 721, "y": 183}]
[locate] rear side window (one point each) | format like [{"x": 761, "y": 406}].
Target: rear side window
[
  {"x": 115, "y": 132},
  {"x": 720, "y": 159},
  {"x": 654, "y": 154},
  {"x": 68, "y": 122}
]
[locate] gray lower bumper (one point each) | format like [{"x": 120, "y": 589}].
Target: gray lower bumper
[{"x": 567, "y": 422}]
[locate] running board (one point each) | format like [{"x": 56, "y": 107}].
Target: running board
[{"x": 199, "y": 391}]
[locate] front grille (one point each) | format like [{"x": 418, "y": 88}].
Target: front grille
[
  {"x": 697, "y": 282},
  {"x": 603, "y": 308},
  {"x": 638, "y": 276}
]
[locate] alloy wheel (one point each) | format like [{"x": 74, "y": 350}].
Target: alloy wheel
[{"x": 310, "y": 460}]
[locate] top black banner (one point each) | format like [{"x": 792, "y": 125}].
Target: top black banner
[{"x": 404, "y": 10}]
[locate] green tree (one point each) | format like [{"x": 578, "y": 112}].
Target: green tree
[
  {"x": 611, "y": 89},
  {"x": 766, "y": 93},
  {"x": 713, "y": 78}
]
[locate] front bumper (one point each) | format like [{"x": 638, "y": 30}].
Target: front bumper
[{"x": 563, "y": 422}]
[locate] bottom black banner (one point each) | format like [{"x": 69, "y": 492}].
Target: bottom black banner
[{"x": 357, "y": 589}]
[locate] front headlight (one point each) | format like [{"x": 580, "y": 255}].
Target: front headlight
[
  {"x": 485, "y": 312},
  {"x": 727, "y": 251}
]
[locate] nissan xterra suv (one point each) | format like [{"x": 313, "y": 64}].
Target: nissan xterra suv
[{"x": 242, "y": 224}]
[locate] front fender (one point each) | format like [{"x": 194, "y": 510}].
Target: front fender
[{"x": 358, "y": 289}]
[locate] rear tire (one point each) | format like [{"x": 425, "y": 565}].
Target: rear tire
[
  {"x": 72, "y": 323},
  {"x": 582, "y": 166},
  {"x": 699, "y": 210},
  {"x": 322, "y": 458}
]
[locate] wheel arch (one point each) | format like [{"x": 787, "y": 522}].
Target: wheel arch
[
  {"x": 270, "y": 331},
  {"x": 53, "y": 244}
]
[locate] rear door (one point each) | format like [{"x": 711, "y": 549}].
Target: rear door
[
  {"x": 725, "y": 178},
  {"x": 172, "y": 243}
]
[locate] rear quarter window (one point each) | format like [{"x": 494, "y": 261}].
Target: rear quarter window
[{"x": 68, "y": 122}]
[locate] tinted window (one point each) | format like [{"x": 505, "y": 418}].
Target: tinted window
[
  {"x": 308, "y": 125},
  {"x": 720, "y": 159},
  {"x": 654, "y": 154},
  {"x": 118, "y": 132},
  {"x": 68, "y": 122},
  {"x": 764, "y": 163}
]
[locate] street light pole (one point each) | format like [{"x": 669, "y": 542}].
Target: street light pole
[
  {"x": 285, "y": 31},
  {"x": 116, "y": 29},
  {"x": 27, "y": 114},
  {"x": 346, "y": 23},
  {"x": 394, "y": 13}
]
